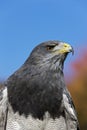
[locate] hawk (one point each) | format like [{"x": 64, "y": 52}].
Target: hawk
[{"x": 35, "y": 97}]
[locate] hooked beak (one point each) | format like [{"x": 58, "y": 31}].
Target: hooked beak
[{"x": 66, "y": 48}]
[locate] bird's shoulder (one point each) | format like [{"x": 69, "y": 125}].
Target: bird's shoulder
[
  {"x": 3, "y": 107},
  {"x": 70, "y": 112}
]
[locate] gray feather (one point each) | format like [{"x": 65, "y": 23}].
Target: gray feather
[
  {"x": 3, "y": 108},
  {"x": 36, "y": 97}
]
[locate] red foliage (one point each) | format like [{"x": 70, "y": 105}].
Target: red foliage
[{"x": 78, "y": 87}]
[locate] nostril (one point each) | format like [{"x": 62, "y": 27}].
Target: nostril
[{"x": 65, "y": 45}]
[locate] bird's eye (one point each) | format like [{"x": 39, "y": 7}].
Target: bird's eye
[{"x": 50, "y": 47}]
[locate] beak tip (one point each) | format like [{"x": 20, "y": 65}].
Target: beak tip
[{"x": 72, "y": 50}]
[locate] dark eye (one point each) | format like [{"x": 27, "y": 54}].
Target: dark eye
[{"x": 50, "y": 47}]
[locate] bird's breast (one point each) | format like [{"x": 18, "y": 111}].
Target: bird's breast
[{"x": 17, "y": 122}]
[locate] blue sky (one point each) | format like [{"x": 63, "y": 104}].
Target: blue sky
[{"x": 26, "y": 23}]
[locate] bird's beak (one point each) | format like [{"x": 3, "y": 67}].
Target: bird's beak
[{"x": 66, "y": 48}]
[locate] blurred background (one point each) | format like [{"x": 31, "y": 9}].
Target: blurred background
[{"x": 24, "y": 24}]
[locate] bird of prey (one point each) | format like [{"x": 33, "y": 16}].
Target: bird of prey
[{"x": 35, "y": 97}]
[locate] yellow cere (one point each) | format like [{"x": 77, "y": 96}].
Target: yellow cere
[{"x": 66, "y": 48}]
